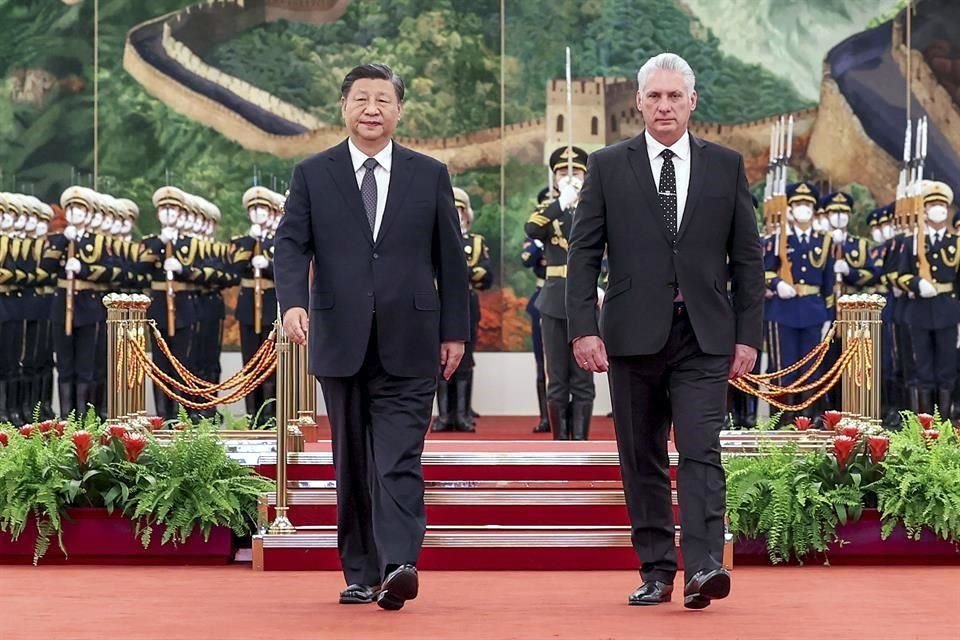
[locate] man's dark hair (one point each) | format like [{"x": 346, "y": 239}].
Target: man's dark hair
[{"x": 375, "y": 71}]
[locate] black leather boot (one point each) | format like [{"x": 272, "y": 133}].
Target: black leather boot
[
  {"x": 29, "y": 398},
  {"x": 580, "y": 419},
  {"x": 85, "y": 398},
  {"x": 15, "y": 402},
  {"x": 463, "y": 421},
  {"x": 544, "y": 425},
  {"x": 46, "y": 396},
  {"x": 926, "y": 401},
  {"x": 68, "y": 400},
  {"x": 470, "y": 412},
  {"x": 913, "y": 394},
  {"x": 945, "y": 402},
  {"x": 559, "y": 422},
  {"x": 442, "y": 421},
  {"x": 4, "y": 414}
]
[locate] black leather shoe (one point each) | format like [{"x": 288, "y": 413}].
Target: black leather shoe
[
  {"x": 654, "y": 592},
  {"x": 358, "y": 594},
  {"x": 705, "y": 586},
  {"x": 401, "y": 585}
]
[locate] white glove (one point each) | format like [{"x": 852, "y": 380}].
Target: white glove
[
  {"x": 169, "y": 234},
  {"x": 839, "y": 235},
  {"x": 897, "y": 292},
  {"x": 841, "y": 267},
  {"x": 172, "y": 265},
  {"x": 569, "y": 196},
  {"x": 600, "y": 294},
  {"x": 260, "y": 262},
  {"x": 785, "y": 291},
  {"x": 255, "y": 232},
  {"x": 538, "y": 243},
  {"x": 824, "y": 329},
  {"x": 70, "y": 233},
  {"x": 927, "y": 290},
  {"x": 72, "y": 266}
]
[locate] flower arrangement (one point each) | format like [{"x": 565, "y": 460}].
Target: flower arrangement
[{"x": 186, "y": 484}]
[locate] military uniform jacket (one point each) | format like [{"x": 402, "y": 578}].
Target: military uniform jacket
[
  {"x": 863, "y": 271},
  {"x": 244, "y": 248},
  {"x": 186, "y": 250},
  {"x": 551, "y": 226},
  {"x": 97, "y": 268},
  {"x": 943, "y": 310},
  {"x": 813, "y": 278},
  {"x": 12, "y": 278}
]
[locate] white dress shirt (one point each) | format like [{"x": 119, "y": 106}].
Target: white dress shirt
[
  {"x": 381, "y": 174},
  {"x": 681, "y": 165}
]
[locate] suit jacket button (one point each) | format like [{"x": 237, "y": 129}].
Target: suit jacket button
[
  {"x": 676, "y": 252},
  {"x": 376, "y": 256},
  {"x": 369, "y": 294}
]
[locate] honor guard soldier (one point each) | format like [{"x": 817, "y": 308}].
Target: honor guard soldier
[
  {"x": 257, "y": 303},
  {"x": 12, "y": 280},
  {"x": 532, "y": 257},
  {"x": 928, "y": 269},
  {"x": 84, "y": 276},
  {"x": 881, "y": 233},
  {"x": 799, "y": 309},
  {"x": 454, "y": 396},
  {"x": 570, "y": 390},
  {"x": 173, "y": 286}
]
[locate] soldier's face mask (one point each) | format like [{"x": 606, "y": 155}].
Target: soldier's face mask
[
  {"x": 937, "y": 213},
  {"x": 20, "y": 222},
  {"x": 76, "y": 214},
  {"x": 31, "y": 224},
  {"x": 876, "y": 233},
  {"x": 116, "y": 227},
  {"x": 107, "y": 223},
  {"x": 802, "y": 213},
  {"x": 464, "y": 220},
  {"x": 167, "y": 215},
  {"x": 198, "y": 225},
  {"x": 41, "y": 229},
  {"x": 126, "y": 226},
  {"x": 839, "y": 220},
  {"x": 97, "y": 220},
  {"x": 258, "y": 214},
  {"x": 888, "y": 231}
]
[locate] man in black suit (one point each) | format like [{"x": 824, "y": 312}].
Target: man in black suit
[
  {"x": 675, "y": 216},
  {"x": 388, "y": 313}
]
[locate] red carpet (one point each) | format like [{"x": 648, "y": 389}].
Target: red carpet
[{"x": 235, "y": 603}]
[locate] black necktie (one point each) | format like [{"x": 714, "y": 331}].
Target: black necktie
[
  {"x": 668, "y": 192},
  {"x": 368, "y": 191}
]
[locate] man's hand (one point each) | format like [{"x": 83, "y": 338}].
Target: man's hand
[
  {"x": 591, "y": 354},
  {"x": 742, "y": 361},
  {"x": 295, "y": 323},
  {"x": 450, "y": 355}
]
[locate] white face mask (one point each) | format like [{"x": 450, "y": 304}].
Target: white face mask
[
  {"x": 76, "y": 214},
  {"x": 198, "y": 225},
  {"x": 125, "y": 227},
  {"x": 97, "y": 220},
  {"x": 6, "y": 221},
  {"x": 41, "y": 229},
  {"x": 31, "y": 224},
  {"x": 876, "y": 233},
  {"x": 937, "y": 213},
  {"x": 802, "y": 213},
  {"x": 888, "y": 231},
  {"x": 20, "y": 222},
  {"x": 107, "y": 223},
  {"x": 116, "y": 227},
  {"x": 839, "y": 220},
  {"x": 166, "y": 215},
  {"x": 258, "y": 214}
]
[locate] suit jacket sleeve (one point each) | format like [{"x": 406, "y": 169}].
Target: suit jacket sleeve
[
  {"x": 746, "y": 267},
  {"x": 449, "y": 265},
  {"x": 588, "y": 239},
  {"x": 293, "y": 247}
]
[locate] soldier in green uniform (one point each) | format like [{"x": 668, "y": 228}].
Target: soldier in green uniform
[
  {"x": 570, "y": 389},
  {"x": 454, "y": 396}
]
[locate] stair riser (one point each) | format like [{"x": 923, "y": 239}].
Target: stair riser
[{"x": 472, "y": 472}]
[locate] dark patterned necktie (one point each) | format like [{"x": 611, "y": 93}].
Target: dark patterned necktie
[
  {"x": 368, "y": 191},
  {"x": 668, "y": 192}
]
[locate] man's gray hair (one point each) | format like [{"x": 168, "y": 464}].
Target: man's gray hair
[{"x": 666, "y": 62}]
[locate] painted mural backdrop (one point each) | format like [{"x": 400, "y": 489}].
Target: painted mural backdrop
[{"x": 208, "y": 95}]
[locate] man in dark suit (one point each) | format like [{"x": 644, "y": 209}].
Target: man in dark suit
[
  {"x": 388, "y": 313},
  {"x": 675, "y": 216}
]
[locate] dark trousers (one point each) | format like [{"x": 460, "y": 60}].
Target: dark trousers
[
  {"x": 905, "y": 363},
  {"x": 935, "y": 352},
  {"x": 77, "y": 353},
  {"x": 793, "y": 343},
  {"x": 11, "y": 349},
  {"x": 687, "y": 387},
  {"x": 536, "y": 336},
  {"x": 565, "y": 378},
  {"x": 378, "y": 423}
]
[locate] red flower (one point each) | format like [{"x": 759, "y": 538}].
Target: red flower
[
  {"x": 878, "y": 446},
  {"x": 843, "y": 449},
  {"x": 26, "y": 431},
  {"x": 930, "y": 434},
  {"x": 832, "y": 418},
  {"x": 82, "y": 443},
  {"x": 851, "y": 431},
  {"x": 156, "y": 422},
  {"x": 180, "y": 426},
  {"x": 802, "y": 423},
  {"x": 926, "y": 420},
  {"x": 3, "y": 439},
  {"x": 118, "y": 431},
  {"x": 133, "y": 445},
  {"x": 45, "y": 426},
  {"x": 60, "y": 427}
]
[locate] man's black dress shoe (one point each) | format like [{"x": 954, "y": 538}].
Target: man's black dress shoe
[
  {"x": 401, "y": 584},
  {"x": 358, "y": 594},
  {"x": 653, "y": 592},
  {"x": 705, "y": 586}
]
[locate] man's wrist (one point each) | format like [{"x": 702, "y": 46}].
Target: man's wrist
[{"x": 579, "y": 338}]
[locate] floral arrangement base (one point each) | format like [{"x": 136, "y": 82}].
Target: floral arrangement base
[
  {"x": 861, "y": 544},
  {"x": 93, "y": 536}
]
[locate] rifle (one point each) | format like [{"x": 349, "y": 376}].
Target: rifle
[
  {"x": 916, "y": 203},
  {"x": 171, "y": 297},
  {"x": 784, "y": 148},
  {"x": 569, "y": 116},
  {"x": 257, "y": 294},
  {"x": 71, "y": 288}
]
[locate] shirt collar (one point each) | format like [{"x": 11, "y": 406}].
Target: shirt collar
[
  {"x": 680, "y": 148},
  {"x": 384, "y": 158}
]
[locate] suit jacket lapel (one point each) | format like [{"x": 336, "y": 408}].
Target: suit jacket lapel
[
  {"x": 341, "y": 169},
  {"x": 696, "y": 183},
  {"x": 640, "y": 163},
  {"x": 401, "y": 172}
]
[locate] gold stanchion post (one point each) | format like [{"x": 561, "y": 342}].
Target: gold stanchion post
[{"x": 858, "y": 316}]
